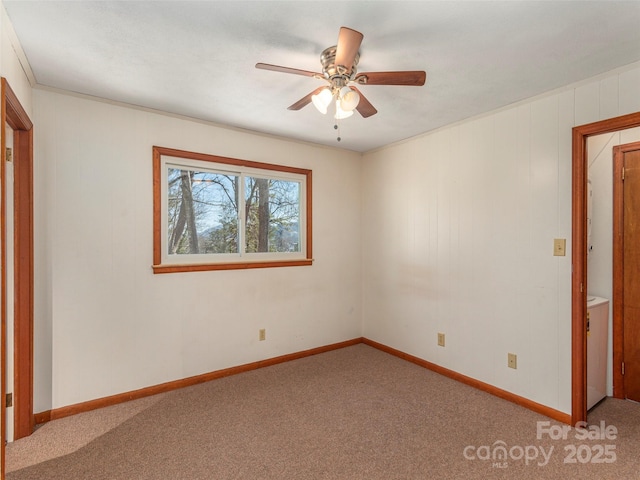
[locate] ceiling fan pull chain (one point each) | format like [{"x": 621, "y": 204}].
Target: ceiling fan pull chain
[{"x": 336, "y": 126}]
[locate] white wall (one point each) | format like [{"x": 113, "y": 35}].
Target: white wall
[
  {"x": 13, "y": 64},
  {"x": 113, "y": 325},
  {"x": 600, "y": 261},
  {"x": 458, "y": 229}
]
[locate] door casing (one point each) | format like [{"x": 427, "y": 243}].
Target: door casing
[
  {"x": 13, "y": 114},
  {"x": 579, "y": 255}
]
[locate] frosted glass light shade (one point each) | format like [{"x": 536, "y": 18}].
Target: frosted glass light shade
[
  {"x": 322, "y": 100},
  {"x": 349, "y": 99},
  {"x": 340, "y": 113}
]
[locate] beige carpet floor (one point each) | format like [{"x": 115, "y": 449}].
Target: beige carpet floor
[{"x": 353, "y": 413}]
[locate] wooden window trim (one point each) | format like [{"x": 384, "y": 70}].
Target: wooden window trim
[{"x": 159, "y": 267}]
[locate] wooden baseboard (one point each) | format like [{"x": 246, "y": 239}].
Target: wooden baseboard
[
  {"x": 485, "y": 387},
  {"x": 62, "y": 412}
]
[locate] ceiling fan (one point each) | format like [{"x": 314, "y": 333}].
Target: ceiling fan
[{"x": 339, "y": 70}]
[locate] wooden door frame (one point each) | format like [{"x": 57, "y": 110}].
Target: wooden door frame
[
  {"x": 618, "y": 250},
  {"x": 13, "y": 114},
  {"x": 579, "y": 255}
]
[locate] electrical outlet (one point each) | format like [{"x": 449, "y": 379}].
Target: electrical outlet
[
  {"x": 512, "y": 360},
  {"x": 263, "y": 334},
  {"x": 441, "y": 339}
]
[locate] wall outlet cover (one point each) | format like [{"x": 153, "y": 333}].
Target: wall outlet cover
[
  {"x": 512, "y": 360},
  {"x": 559, "y": 247}
]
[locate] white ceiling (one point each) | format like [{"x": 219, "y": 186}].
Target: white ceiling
[{"x": 197, "y": 58}]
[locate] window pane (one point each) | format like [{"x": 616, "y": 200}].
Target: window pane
[
  {"x": 272, "y": 222},
  {"x": 202, "y": 210}
]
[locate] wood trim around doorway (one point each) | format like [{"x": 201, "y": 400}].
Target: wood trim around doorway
[
  {"x": 13, "y": 114},
  {"x": 579, "y": 255},
  {"x": 23, "y": 282}
]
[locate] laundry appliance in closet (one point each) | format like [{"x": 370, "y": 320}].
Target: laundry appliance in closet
[{"x": 597, "y": 340}]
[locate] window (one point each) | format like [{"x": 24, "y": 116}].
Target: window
[{"x": 217, "y": 213}]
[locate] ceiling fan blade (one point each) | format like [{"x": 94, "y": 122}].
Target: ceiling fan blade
[
  {"x": 278, "y": 68},
  {"x": 348, "y": 45},
  {"x": 306, "y": 100},
  {"x": 411, "y": 78},
  {"x": 364, "y": 106}
]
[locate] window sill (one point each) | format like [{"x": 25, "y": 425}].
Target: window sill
[{"x": 202, "y": 267}]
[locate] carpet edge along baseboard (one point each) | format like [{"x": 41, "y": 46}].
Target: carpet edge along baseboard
[
  {"x": 69, "y": 410},
  {"x": 485, "y": 387},
  {"x": 89, "y": 405}
]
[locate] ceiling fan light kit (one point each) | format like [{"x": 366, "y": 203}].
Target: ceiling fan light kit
[
  {"x": 339, "y": 64},
  {"x": 346, "y": 101}
]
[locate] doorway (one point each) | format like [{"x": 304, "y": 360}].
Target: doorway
[
  {"x": 579, "y": 255},
  {"x": 14, "y": 116},
  {"x": 626, "y": 271}
]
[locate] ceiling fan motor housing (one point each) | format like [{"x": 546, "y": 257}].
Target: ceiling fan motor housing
[{"x": 338, "y": 75}]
